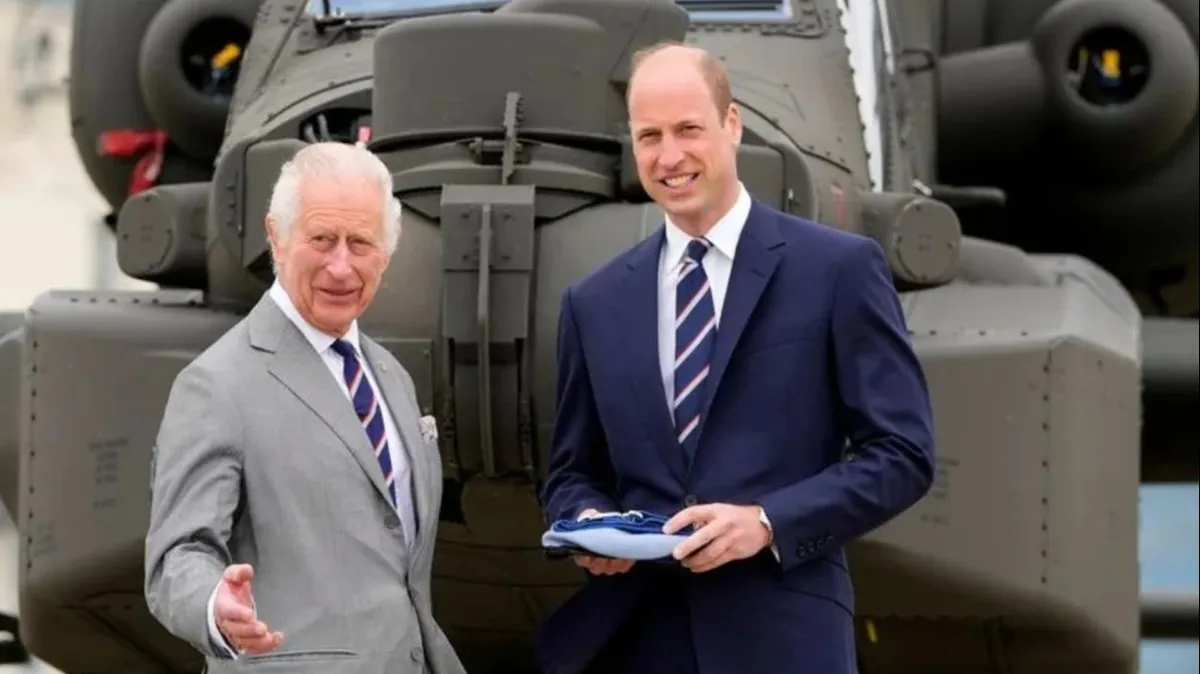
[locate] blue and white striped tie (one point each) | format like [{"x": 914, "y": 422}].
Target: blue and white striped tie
[
  {"x": 695, "y": 335},
  {"x": 368, "y": 411}
]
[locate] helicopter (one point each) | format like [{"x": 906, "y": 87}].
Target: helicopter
[{"x": 1020, "y": 163}]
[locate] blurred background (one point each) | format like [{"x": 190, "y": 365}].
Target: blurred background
[
  {"x": 52, "y": 238},
  {"x": 49, "y": 211}
]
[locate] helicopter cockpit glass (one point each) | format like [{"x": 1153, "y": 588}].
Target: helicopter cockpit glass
[
  {"x": 700, "y": 10},
  {"x": 737, "y": 10},
  {"x": 325, "y": 8},
  {"x": 869, "y": 40}
]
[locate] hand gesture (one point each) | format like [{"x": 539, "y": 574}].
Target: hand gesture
[
  {"x": 724, "y": 533},
  {"x": 601, "y": 566},
  {"x": 235, "y": 614}
]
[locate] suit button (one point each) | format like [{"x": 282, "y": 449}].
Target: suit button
[
  {"x": 417, "y": 655},
  {"x": 391, "y": 521},
  {"x": 690, "y": 500}
]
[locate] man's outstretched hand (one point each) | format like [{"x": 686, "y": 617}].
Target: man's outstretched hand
[
  {"x": 235, "y": 614},
  {"x": 602, "y": 566}
]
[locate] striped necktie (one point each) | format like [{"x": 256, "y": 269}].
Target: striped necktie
[
  {"x": 368, "y": 410},
  {"x": 695, "y": 334}
]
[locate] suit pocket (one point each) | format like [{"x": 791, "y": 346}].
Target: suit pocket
[
  {"x": 823, "y": 578},
  {"x": 300, "y": 657},
  {"x": 768, "y": 340}
]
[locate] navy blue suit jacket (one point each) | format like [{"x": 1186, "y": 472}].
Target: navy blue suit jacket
[{"x": 817, "y": 410}]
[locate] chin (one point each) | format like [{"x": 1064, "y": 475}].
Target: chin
[
  {"x": 336, "y": 309},
  {"x": 683, "y": 207}
]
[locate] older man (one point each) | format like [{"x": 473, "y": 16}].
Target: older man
[
  {"x": 745, "y": 372},
  {"x": 295, "y": 493}
]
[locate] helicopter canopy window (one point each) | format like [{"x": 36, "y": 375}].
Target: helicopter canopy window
[
  {"x": 700, "y": 10},
  {"x": 737, "y": 10},
  {"x": 869, "y": 40},
  {"x": 361, "y": 7}
]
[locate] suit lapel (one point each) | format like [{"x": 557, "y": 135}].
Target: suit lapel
[
  {"x": 638, "y": 297},
  {"x": 753, "y": 265},
  {"x": 405, "y": 416},
  {"x": 300, "y": 369}
]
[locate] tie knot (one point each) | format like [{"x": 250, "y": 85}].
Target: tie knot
[
  {"x": 343, "y": 349},
  {"x": 697, "y": 248}
]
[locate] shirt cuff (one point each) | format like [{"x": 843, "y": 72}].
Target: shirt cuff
[
  {"x": 766, "y": 522},
  {"x": 214, "y": 634}
]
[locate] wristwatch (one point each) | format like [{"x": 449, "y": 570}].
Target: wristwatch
[{"x": 762, "y": 517}]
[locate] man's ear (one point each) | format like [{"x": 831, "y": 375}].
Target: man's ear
[
  {"x": 733, "y": 122},
  {"x": 272, "y": 235}
]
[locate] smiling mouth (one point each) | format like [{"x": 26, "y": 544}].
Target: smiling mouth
[
  {"x": 676, "y": 182},
  {"x": 339, "y": 293}
]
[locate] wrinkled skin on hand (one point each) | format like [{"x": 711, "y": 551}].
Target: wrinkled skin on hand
[{"x": 236, "y": 617}]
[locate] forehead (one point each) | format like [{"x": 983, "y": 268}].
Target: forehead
[
  {"x": 668, "y": 91},
  {"x": 340, "y": 204}
]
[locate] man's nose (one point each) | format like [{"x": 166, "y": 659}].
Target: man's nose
[
  {"x": 670, "y": 154},
  {"x": 338, "y": 265}
]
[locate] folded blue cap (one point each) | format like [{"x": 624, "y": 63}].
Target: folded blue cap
[{"x": 630, "y": 535}]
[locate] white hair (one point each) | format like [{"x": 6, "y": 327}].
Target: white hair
[{"x": 334, "y": 162}]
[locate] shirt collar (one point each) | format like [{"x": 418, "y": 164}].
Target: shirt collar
[
  {"x": 319, "y": 340},
  {"x": 723, "y": 236}
]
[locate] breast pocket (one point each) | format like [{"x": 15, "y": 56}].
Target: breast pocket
[
  {"x": 781, "y": 332},
  {"x": 428, "y": 440},
  {"x": 431, "y": 453}
]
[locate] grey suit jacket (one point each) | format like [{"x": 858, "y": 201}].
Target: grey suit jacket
[{"x": 260, "y": 459}]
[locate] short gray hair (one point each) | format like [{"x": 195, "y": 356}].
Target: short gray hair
[{"x": 333, "y": 161}]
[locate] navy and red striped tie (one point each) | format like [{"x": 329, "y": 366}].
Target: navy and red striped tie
[{"x": 369, "y": 412}]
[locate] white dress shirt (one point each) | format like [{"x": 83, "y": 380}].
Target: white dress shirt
[
  {"x": 323, "y": 345},
  {"x": 718, "y": 265}
]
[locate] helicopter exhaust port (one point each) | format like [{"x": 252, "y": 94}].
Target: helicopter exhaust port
[
  {"x": 188, "y": 65},
  {"x": 1113, "y": 85}
]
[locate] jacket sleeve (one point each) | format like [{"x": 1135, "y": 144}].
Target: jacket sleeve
[
  {"x": 196, "y": 475},
  {"x": 579, "y": 475},
  {"x": 885, "y": 407}
]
